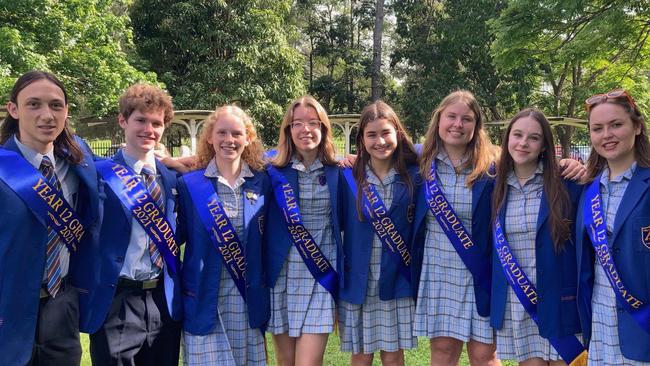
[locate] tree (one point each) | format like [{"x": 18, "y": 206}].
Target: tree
[
  {"x": 87, "y": 44},
  {"x": 214, "y": 52},
  {"x": 445, "y": 46},
  {"x": 577, "y": 48},
  {"x": 376, "y": 51}
]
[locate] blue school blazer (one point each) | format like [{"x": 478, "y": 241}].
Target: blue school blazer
[
  {"x": 556, "y": 283},
  {"x": 357, "y": 244},
  {"x": 277, "y": 246},
  {"x": 631, "y": 253},
  {"x": 23, "y": 240},
  {"x": 481, "y": 234},
  {"x": 97, "y": 267},
  {"x": 202, "y": 263}
]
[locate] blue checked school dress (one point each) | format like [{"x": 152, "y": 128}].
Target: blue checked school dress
[
  {"x": 377, "y": 325},
  {"x": 446, "y": 306},
  {"x": 604, "y": 346},
  {"x": 519, "y": 337},
  {"x": 233, "y": 342},
  {"x": 299, "y": 304}
]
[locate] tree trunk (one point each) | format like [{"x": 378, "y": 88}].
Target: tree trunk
[{"x": 375, "y": 84}]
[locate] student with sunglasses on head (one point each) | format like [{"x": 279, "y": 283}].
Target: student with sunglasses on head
[
  {"x": 613, "y": 234},
  {"x": 49, "y": 210}
]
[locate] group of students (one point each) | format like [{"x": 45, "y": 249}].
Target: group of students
[{"x": 506, "y": 250}]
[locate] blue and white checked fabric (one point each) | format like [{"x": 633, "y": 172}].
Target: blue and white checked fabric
[
  {"x": 233, "y": 342},
  {"x": 156, "y": 194},
  {"x": 446, "y": 306},
  {"x": 604, "y": 346},
  {"x": 54, "y": 244},
  {"x": 377, "y": 325},
  {"x": 299, "y": 304},
  {"x": 519, "y": 338}
]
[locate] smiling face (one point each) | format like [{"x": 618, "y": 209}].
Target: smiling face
[
  {"x": 142, "y": 131},
  {"x": 612, "y": 133},
  {"x": 305, "y": 138},
  {"x": 41, "y": 112},
  {"x": 228, "y": 138},
  {"x": 380, "y": 139},
  {"x": 525, "y": 142},
  {"x": 457, "y": 124}
]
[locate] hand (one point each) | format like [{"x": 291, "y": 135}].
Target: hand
[
  {"x": 572, "y": 169},
  {"x": 348, "y": 161},
  {"x": 182, "y": 165}
]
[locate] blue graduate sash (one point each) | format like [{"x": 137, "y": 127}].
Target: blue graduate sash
[
  {"x": 477, "y": 264},
  {"x": 44, "y": 200},
  {"x": 311, "y": 254},
  {"x": 133, "y": 194},
  {"x": 382, "y": 224},
  {"x": 597, "y": 230},
  {"x": 568, "y": 347},
  {"x": 221, "y": 231}
]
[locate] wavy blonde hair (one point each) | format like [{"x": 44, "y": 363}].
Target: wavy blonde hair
[
  {"x": 253, "y": 153},
  {"x": 481, "y": 152},
  {"x": 286, "y": 148}
]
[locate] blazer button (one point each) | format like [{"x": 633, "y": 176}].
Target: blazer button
[{"x": 119, "y": 259}]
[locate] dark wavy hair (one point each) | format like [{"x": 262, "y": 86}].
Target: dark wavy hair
[{"x": 64, "y": 145}]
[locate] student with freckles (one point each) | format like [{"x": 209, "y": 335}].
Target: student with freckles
[{"x": 223, "y": 211}]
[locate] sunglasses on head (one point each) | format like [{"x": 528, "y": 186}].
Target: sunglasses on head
[{"x": 602, "y": 98}]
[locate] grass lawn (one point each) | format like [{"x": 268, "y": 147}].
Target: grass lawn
[{"x": 333, "y": 355}]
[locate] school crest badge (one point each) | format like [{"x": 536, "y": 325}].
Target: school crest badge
[
  {"x": 645, "y": 236},
  {"x": 251, "y": 197},
  {"x": 410, "y": 213}
]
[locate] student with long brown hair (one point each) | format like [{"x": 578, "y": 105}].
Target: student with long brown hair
[
  {"x": 614, "y": 218},
  {"x": 376, "y": 306},
  {"x": 533, "y": 278},
  {"x": 47, "y": 184},
  {"x": 453, "y": 301},
  {"x": 304, "y": 235}
]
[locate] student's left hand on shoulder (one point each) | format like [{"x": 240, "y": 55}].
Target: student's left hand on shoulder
[
  {"x": 572, "y": 169},
  {"x": 348, "y": 161},
  {"x": 182, "y": 165}
]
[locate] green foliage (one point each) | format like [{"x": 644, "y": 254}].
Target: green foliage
[
  {"x": 86, "y": 43},
  {"x": 577, "y": 48},
  {"x": 213, "y": 52},
  {"x": 336, "y": 39},
  {"x": 445, "y": 46}
]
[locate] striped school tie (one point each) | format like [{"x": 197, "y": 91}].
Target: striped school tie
[
  {"x": 156, "y": 194},
  {"x": 54, "y": 245}
]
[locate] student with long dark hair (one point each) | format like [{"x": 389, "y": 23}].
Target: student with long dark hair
[
  {"x": 533, "y": 278},
  {"x": 376, "y": 306},
  {"x": 613, "y": 234},
  {"x": 49, "y": 210}
]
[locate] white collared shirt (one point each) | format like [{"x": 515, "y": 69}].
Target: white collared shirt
[
  {"x": 137, "y": 261},
  {"x": 69, "y": 185}
]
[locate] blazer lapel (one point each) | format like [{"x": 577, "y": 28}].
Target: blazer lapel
[{"x": 635, "y": 190}]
